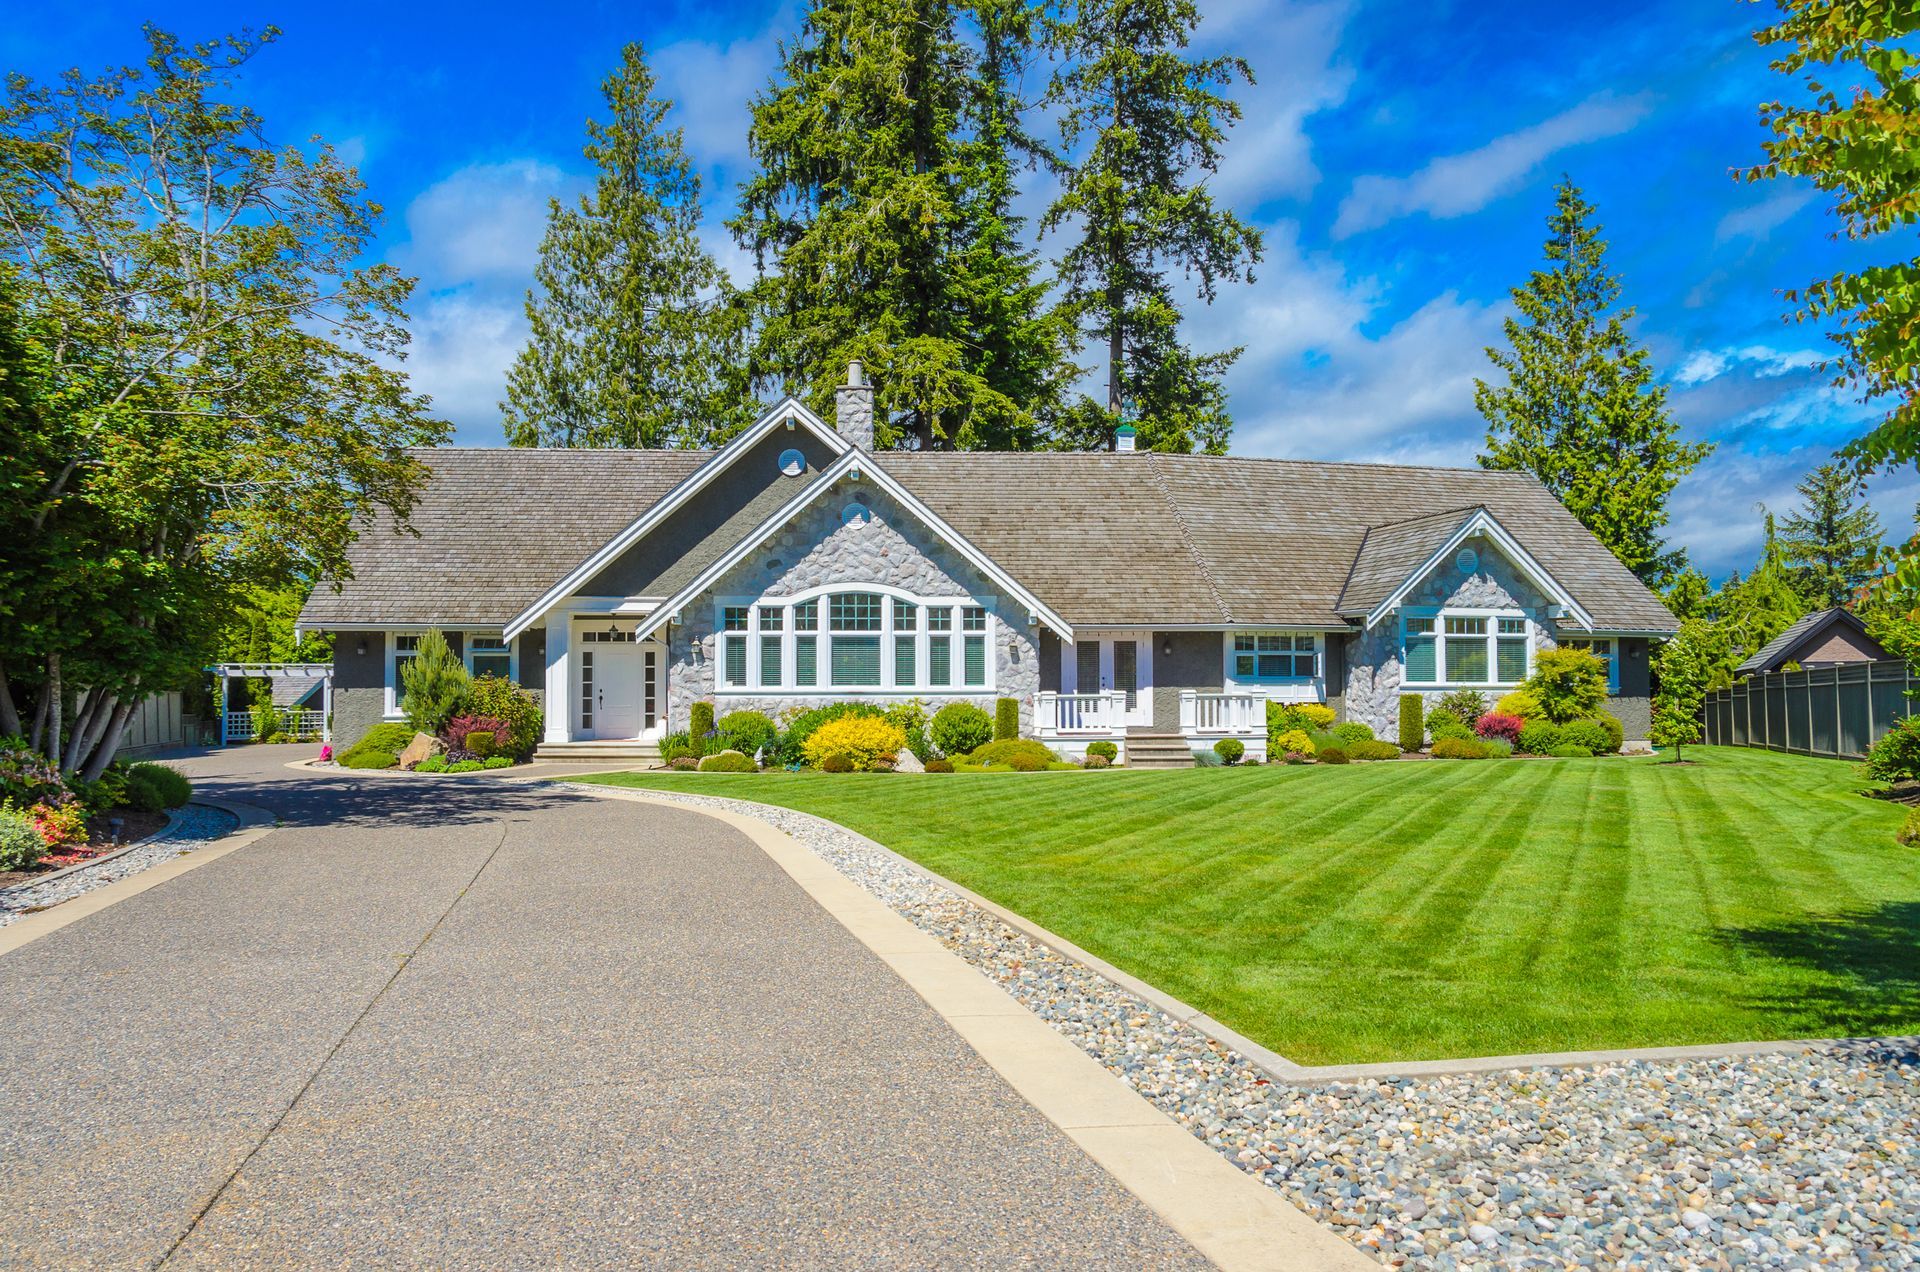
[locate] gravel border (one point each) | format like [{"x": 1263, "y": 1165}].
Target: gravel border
[
  {"x": 1797, "y": 1160},
  {"x": 191, "y": 827}
]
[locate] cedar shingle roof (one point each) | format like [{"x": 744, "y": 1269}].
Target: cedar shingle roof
[
  {"x": 1770, "y": 655},
  {"x": 1122, "y": 539},
  {"x": 1389, "y": 553}
]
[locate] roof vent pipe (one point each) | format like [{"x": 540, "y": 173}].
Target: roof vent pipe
[{"x": 853, "y": 408}]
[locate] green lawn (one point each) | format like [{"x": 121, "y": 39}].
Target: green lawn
[{"x": 1409, "y": 911}]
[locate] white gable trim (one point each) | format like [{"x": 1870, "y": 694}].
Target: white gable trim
[
  {"x": 863, "y": 466},
  {"x": 1482, "y": 522},
  {"x": 788, "y": 411}
]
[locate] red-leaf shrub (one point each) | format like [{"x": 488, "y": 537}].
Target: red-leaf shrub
[
  {"x": 461, "y": 725},
  {"x": 1495, "y": 725}
]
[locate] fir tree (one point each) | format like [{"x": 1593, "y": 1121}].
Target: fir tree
[
  {"x": 1580, "y": 408},
  {"x": 1138, "y": 203},
  {"x": 636, "y": 336},
  {"x": 1833, "y": 540},
  {"x": 1752, "y": 611},
  {"x": 881, "y": 221}
]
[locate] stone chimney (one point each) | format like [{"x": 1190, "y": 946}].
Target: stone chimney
[{"x": 853, "y": 408}]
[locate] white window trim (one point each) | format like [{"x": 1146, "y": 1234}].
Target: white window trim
[
  {"x": 1233, "y": 681},
  {"x": 512, "y": 651},
  {"x": 823, "y": 653},
  {"x": 1440, "y": 614},
  {"x": 1613, "y": 661},
  {"x": 390, "y": 649}
]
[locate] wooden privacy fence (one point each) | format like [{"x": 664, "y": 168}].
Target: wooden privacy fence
[{"x": 1836, "y": 711}]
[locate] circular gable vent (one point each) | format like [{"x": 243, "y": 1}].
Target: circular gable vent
[
  {"x": 792, "y": 462},
  {"x": 855, "y": 513}
]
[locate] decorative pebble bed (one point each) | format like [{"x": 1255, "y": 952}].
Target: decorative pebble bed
[
  {"x": 194, "y": 826},
  {"x": 1780, "y": 1161}
]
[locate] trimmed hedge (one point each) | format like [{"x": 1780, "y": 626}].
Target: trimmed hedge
[
  {"x": 1006, "y": 719},
  {"x": 1590, "y": 734},
  {"x": 1373, "y": 751},
  {"x": 1568, "y": 751},
  {"x": 700, "y": 719},
  {"x": 1347, "y": 732},
  {"x": 1413, "y": 722},
  {"x": 748, "y": 732},
  {"x": 155, "y": 787},
  {"x": 1460, "y": 749},
  {"x": 1539, "y": 737},
  {"x": 838, "y": 762},
  {"x": 938, "y": 765},
  {"x": 381, "y": 739},
  {"x": 960, "y": 728},
  {"x": 1230, "y": 749},
  {"x": 1005, "y": 751},
  {"x": 1331, "y": 755},
  {"x": 359, "y": 759}
]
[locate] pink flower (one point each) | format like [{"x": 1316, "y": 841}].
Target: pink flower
[{"x": 326, "y": 754}]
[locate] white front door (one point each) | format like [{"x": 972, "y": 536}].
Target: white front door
[
  {"x": 1117, "y": 660},
  {"x": 619, "y": 687}
]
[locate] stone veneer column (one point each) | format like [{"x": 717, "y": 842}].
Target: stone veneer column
[{"x": 853, "y": 408}]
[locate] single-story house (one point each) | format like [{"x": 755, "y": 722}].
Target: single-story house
[
  {"x": 1821, "y": 639},
  {"x": 1115, "y": 595}
]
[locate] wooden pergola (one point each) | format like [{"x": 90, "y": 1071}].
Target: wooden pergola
[{"x": 229, "y": 672}]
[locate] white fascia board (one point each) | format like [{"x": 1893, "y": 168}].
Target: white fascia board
[
  {"x": 869, "y": 470},
  {"x": 788, "y": 410},
  {"x": 1480, "y": 521}
]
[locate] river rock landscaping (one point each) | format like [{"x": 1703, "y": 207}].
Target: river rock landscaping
[
  {"x": 1781, "y": 1161},
  {"x": 193, "y": 827}
]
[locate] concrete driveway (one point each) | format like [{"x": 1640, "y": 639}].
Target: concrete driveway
[{"x": 485, "y": 1025}]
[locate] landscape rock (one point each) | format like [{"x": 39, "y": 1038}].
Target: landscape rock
[
  {"x": 423, "y": 745},
  {"x": 908, "y": 762}
]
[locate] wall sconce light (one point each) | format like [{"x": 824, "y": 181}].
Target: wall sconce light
[
  {"x": 1166, "y": 647},
  {"x": 360, "y": 647}
]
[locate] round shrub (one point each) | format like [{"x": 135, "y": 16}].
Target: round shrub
[
  {"x": 155, "y": 786},
  {"x": 1022, "y": 762},
  {"x": 1589, "y": 734},
  {"x": 1297, "y": 757},
  {"x": 1004, "y": 752},
  {"x": 1373, "y": 751},
  {"x": 1443, "y": 724},
  {"x": 727, "y": 762},
  {"x": 1616, "y": 732},
  {"x": 838, "y": 762},
  {"x": 1496, "y": 725},
  {"x": 515, "y": 712},
  {"x": 466, "y": 766},
  {"x": 1567, "y": 751},
  {"x": 1537, "y": 737},
  {"x": 389, "y": 739},
  {"x": 1230, "y": 749},
  {"x": 1896, "y": 756},
  {"x": 683, "y": 763},
  {"x": 432, "y": 764},
  {"x": 1105, "y": 750},
  {"x": 359, "y": 759},
  {"x": 480, "y": 742},
  {"x": 960, "y": 728},
  {"x": 1331, "y": 755},
  {"x": 497, "y": 762},
  {"x": 1292, "y": 740},
  {"x": 1348, "y": 732},
  {"x": 1569, "y": 684},
  {"x": 861, "y": 739},
  {"x": 938, "y": 765},
  {"x": 748, "y": 732},
  {"x": 20, "y": 842},
  {"x": 1520, "y": 702},
  {"x": 1459, "y": 749},
  {"x": 800, "y": 726},
  {"x": 1096, "y": 761}
]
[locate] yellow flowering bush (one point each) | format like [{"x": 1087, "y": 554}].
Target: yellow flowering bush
[
  {"x": 1318, "y": 716},
  {"x": 1293, "y": 740},
  {"x": 862, "y": 739}
]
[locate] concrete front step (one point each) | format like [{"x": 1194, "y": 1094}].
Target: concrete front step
[
  {"x": 1158, "y": 750},
  {"x": 584, "y": 752}
]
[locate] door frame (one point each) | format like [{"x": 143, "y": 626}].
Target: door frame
[
  {"x": 1141, "y": 714},
  {"x": 639, "y": 651}
]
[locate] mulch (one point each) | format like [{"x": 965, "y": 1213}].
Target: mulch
[{"x": 103, "y": 837}]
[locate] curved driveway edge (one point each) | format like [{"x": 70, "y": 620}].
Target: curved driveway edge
[{"x": 1233, "y": 1219}]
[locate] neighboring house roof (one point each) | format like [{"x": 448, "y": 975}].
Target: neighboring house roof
[
  {"x": 1139, "y": 539},
  {"x": 292, "y": 693},
  {"x": 1771, "y": 655}
]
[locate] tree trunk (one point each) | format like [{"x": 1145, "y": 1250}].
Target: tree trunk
[
  {"x": 88, "y": 705},
  {"x": 110, "y": 739},
  {"x": 39, "y": 721},
  {"x": 98, "y": 718},
  {"x": 9, "y": 713},
  {"x": 54, "y": 690}
]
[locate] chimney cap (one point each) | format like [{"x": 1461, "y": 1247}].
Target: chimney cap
[{"x": 856, "y": 374}]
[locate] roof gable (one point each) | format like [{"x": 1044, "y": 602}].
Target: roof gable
[
  {"x": 1428, "y": 541},
  {"x": 1780, "y": 649}
]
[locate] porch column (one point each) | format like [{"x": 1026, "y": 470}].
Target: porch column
[
  {"x": 223, "y": 706},
  {"x": 326, "y": 709},
  {"x": 559, "y": 695}
]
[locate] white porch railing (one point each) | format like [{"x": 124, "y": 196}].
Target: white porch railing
[
  {"x": 295, "y": 723},
  {"x": 1080, "y": 714},
  {"x": 1222, "y": 714}
]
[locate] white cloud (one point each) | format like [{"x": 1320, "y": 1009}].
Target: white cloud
[
  {"x": 1268, "y": 154},
  {"x": 1765, "y": 363},
  {"x": 1455, "y": 185},
  {"x": 712, "y": 86},
  {"x": 1761, "y": 219},
  {"x": 462, "y": 347},
  {"x": 482, "y": 223}
]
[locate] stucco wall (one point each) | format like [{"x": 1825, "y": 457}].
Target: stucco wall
[
  {"x": 893, "y": 549},
  {"x": 1196, "y": 662},
  {"x": 359, "y": 680},
  {"x": 1838, "y": 644}
]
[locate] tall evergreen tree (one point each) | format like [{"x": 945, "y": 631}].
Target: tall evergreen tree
[
  {"x": 1752, "y": 611},
  {"x": 636, "y": 335},
  {"x": 1580, "y": 408},
  {"x": 1832, "y": 540},
  {"x": 1137, "y": 199},
  {"x": 881, "y": 220}
]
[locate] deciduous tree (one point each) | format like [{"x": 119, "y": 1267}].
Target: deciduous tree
[
  {"x": 638, "y": 338},
  {"x": 1579, "y": 406},
  {"x": 1144, "y": 123},
  {"x": 1682, "y": 675}
]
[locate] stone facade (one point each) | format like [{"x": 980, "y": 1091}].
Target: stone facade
[{"x": 816, "y": 549}]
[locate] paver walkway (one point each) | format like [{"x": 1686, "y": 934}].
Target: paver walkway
[{"x": 484, "y": 1025}]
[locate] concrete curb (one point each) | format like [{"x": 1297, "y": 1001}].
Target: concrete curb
[
  {"x": 1230, "y": 1217},
  {"x": 252, "y": 823},
  {"x": 1278, "y": 1066}
]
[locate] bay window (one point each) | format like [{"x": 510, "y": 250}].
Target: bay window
[
  {"x": 1443, "y": 648},
  {"x": 867, "y": 641}
]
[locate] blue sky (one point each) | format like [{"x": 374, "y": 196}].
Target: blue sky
[{"x": 1401, "y": 158}]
